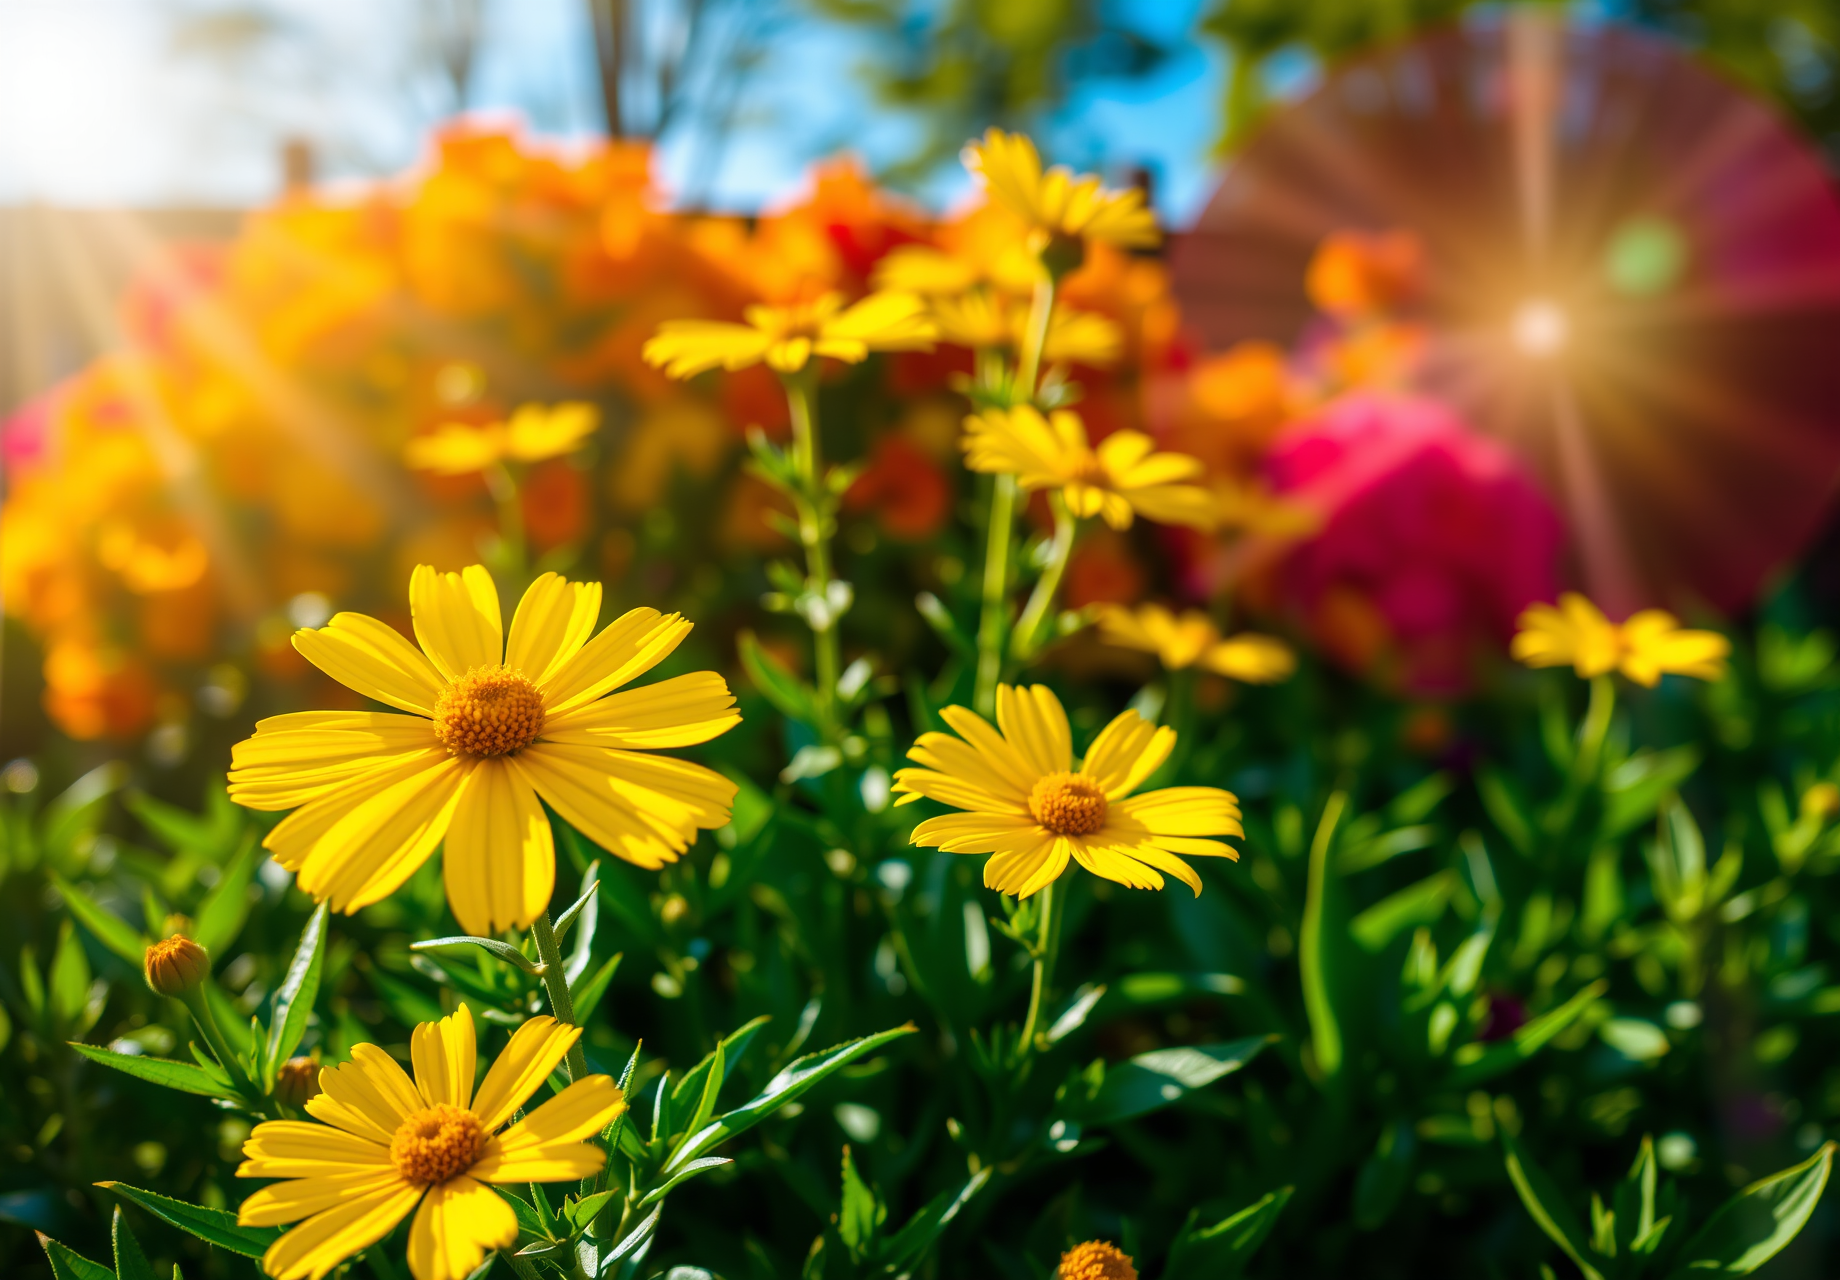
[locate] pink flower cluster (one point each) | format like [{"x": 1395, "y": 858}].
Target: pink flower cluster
[{"x": 1433, "y": 538}]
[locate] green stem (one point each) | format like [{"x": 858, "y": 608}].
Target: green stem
[
  {"x": 199, "y": 1007},
  {"x": 1047, "y": 944},
  {"x": 1596, "y": 726},
  {"x": 1041, "y": 310},
  {"x": 814, "y": 510},
  {"x": 995, "y": 619},
  {"x": 556, "y": 982},
  {"x": 504, "y": 490},
  {"x": 1041, "y": 601}
]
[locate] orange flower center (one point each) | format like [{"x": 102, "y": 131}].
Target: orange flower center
[
  {"x": 437, "y": 1144},
  {"x": 1068, "y": 804},
  {"x": 489, "y": 711},
  {"x": 1087, "y": 469},
  {"x": 1096, "y": 1260}
]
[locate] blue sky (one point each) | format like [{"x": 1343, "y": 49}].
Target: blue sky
[{"x": 186, "y": 101}]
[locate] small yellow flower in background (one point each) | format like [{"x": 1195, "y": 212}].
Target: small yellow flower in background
[
  {"x": 1193, "y": 640},
  {"x": 493, "y": 725},
  {"x": 1096, "y": 1260},
  {"x": 1025, "y": 805},
  {"x": 1649, "y": 645},
  {"x": 1057, "y": 202},
  {"x": 786, "y": 338},
  {"x": 983, "y": 320},
  {"x": 1122, "y": 478},
  {"x": 533, "y": 434},
  {"x": 389, "y": 1143}
]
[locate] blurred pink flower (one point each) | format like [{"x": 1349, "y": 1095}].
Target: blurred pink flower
[{"x": 1433, "y": 540}]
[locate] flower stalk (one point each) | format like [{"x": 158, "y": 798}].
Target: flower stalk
[
  {"x": 1041, "y": 601},
  {"x": 815, "y": 505},
  {"x": 556, "y": 983}
]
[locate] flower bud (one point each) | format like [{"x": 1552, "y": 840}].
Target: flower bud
[
  {"x": 1096, "y": 1260},
  {"x": 296, "y": 1080},
  {"x": 176, "y": 965}
]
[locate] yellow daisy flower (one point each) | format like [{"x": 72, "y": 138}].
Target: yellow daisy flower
[
  {"x": 390, "y": 1143},
  {"x": 1193, "y": 640},
  {"x": 988, "y": 255},
  {"x": 1025, "y": 804},
  {"x": 984, "y": 320},
  {"x": 1123, "y": 477},
  {"x": 786, "y": 338},
  {"x": 1057, "y": 202},
  {"x": 533, "y": 434},
  {"x": 492, "y": 726},
  {"x": 1649, "y": 645}
]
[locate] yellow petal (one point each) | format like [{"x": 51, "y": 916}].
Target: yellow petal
[
  {"x": 366, "y": 1097},
  {"x": 499, "y": 864},
  {"x": 298, "y": 1149},
  {"x": 552, "y": 622},
  {"x": 626, "y": 649},
  {"x": 974, "y": 832},
  {"x": 373, "y": 658},
  {"x": 459, "y": 1221},
  {"x": 1252, "y": 659},
  {"x": 1127, "y": 751},
  {"x": 551, "y": 1135},
  {"x": 1000, "y": 756},
  {"x": 457, "y": 619},
  {"x": 296, "y": 835},
  {"x": 445, "y": 1055},
  {"x": 537, "y": 433},
  {"x": 1030, "y": 866},
  {"x": 685, "y": 348},
  {"x": 299, "y": 1198},
  {"x": 320, "y": 1243},
  {"x": 295, "y": 759},
  {"x": 1034, "y": 723},
  {"x": 535, "y": 1049},
  {"x": 456, "y": 449},
  {"x": 569, "y": 779},
  {"x": 705, "y": 795},
  {"x": 1184, "y": 811},
  {"x": 367, "y": 854},
  {"x": 678, "y": 712}
]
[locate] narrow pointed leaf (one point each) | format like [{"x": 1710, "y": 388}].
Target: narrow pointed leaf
[
  {"x": 1753, "y": 1226},
  {"x": 503, "y": 950},
  {"x": 214, "y": 1225},
  {"x": 67, "y": 1264},
  {"x": 294, "y": 1001},
  {"x": 130, "y": 1262},
  {"x": 108, "y": 928},
  {"x": 1546, "y": 1204},
  {"x": 220, "y": 917},
  {"x": 182, "y": 1076},
  {"x": 1313, "y": 946},
  {"x": 791, "y": 1083}
]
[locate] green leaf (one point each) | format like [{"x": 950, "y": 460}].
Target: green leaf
[
  {"x": 586, "y": 996},
  {"x": 130, "y": 1262},
  {"x": 788, "y": 694},
  {"x": 221, "y": 915},
  {"x": 1753, "y": 1226},
  {"x": 793, "y": 1082},
  {"x": 859, "y": 1214},
  {"x": 109, "y": 929},
  {"x": 1221, "y": 1252},
  {"x": 694, "y": 1085},
  {"x": 79, "y": 809},
  {"x": 683, "y": 1173},
  {"x": 1634, "y": 789},
  {"x": 294, "y": 1000},
  {"x": 67, "y": 1264},
  {"x": 503, "y": 950},
  {"x": 1547, "y": 1206},
  {"x": 1151, "y": 1081},
  {"x": 1505, "y": 808},
  {"x": 1419, "y": 904},
  {"x": 586, "y": 909},
  {"x": 584, "y": 1211},
  {"x": 1325, "y": 1031},
  {"x": 214, "y": 1225},
  {"x": 1634, "y": 1038},
  {"x": 908, "y": 1245},
  {"x": 1494, "y": 1059},
  {"x": 1383, "y": 1176},
  {"x": 69, "y": 977},
  {"x": 204, "y": 837},
  {"x": 183, "y": 1076}
]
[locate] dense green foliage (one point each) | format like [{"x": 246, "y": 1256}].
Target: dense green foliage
[{"x": 1564, "y": 933}]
